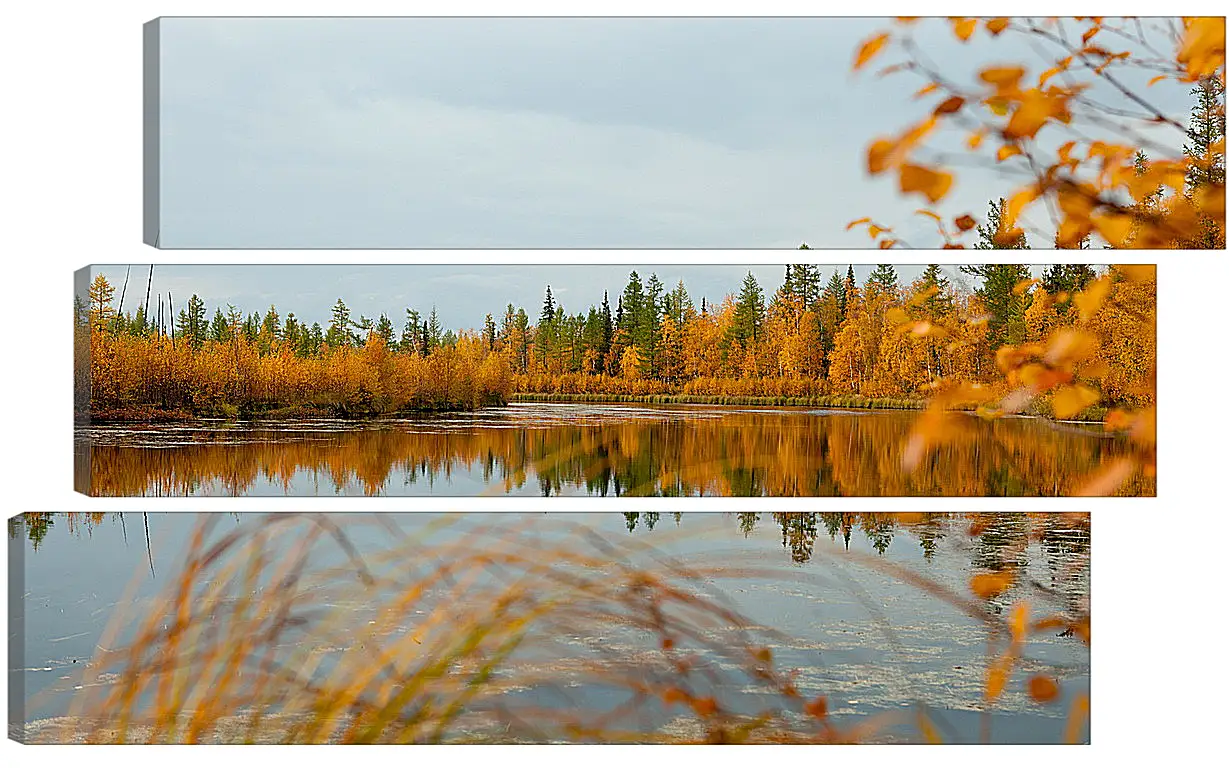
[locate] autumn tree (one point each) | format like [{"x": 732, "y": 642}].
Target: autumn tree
[
  {"x": 338, "y": 334},
  {"x": 100, "y": 295},
  {"x": 1068, "y": 127}
]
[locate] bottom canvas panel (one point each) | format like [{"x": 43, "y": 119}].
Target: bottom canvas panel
[{"x": 792, "y": 627}]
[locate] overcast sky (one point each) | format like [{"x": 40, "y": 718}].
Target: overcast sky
[
  {"x": 532, "y": 133},
  {"x": 463, "y": 294}
]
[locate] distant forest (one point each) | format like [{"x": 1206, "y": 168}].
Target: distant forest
[{"x": 812, "y": 339}]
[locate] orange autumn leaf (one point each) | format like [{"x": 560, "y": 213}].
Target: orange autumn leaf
[
  {"x": 988, "y": 585},
  {"x": 965, "y": 223},
  {"x": 949, "y": 105},
  {"x": 1076, "y": 719},
  {"x": 1035, "y": 109},
  {"x": 1089, "y": 300},
  {"x": 1114, "y": 227},
  {"x": 877, "y": 155},
  {"x": 1118, "y": 420},
  {"x": 996, "y": 678},
  {"x": 1051, "y": 72},
  {"x": 1203, "y": 46},
  {"x": 1006, "y": 151},
  {"x": 1004, "y": 79},
  {"x": 1068, "y": 346},
  {"x": 1018, "y": 623},
  {"x": 1042, "y": 688},
  {"x": 817, "y": 708},
  {"x": 963, "y": 27},
  {"x": 997, "y": 25},
  {"x": 856, "y": 222},
  {"x": 705, "y": 706},
  {"x": 974, "y": 141},
  {"x": 1069, "y": 401},
  {"x": 927, "y": 181},
  {"x": 1108, "y": 479},
  {"x": 928, "y": 88},
  {"x": 869, "y": 49}
]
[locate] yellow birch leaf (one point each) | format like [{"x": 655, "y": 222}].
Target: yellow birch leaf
[
  {"x": 1051, "y": 72},
  {"x": 988, "y": 585},
  {"x": 1004, "y": 79},
  {"x": 1018, "y": 623},
  {"x": 1076, "y": 718},
  {"x": 963, "y": 27},
  {"x": 1006, "y": 151},
  {"x": 1203, "y": 46},
  {"x": 1092, "y": 297},
  {"x": 996, "y": 678},
  {"x": 927, "y": 181},
  {"x": 949, "y": 105},
  {"x": 1070, "y": 401},
  {"x": 869, "y": 48},
  {"x": 878, "y": 155},
  {"x": 1042, "y": 688}
]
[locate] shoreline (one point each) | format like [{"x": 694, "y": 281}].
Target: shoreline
[{"x": 851, "y": 403}]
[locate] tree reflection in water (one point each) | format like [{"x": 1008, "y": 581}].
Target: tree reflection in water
[{"x": 713, "y": 452}]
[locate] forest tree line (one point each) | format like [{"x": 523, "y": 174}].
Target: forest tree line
[{"x": 811, "y": 339}]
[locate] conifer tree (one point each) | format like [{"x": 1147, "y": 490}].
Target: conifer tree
[
  {"x": 1005, "y": 304},
  {"x": 338, "y": 334},
  {"x": 748, "y": 312},
  {"x": 990, "y": 237}
]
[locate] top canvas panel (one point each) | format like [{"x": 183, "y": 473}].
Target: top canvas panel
[{"x": 683, "y": 133}]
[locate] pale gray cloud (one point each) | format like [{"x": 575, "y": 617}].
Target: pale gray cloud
[{"x": 532, "y": 133}]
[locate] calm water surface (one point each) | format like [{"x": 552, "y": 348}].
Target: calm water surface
[
  {"x": 594, "y": 450},
  {"x": 870, "y": 642}
]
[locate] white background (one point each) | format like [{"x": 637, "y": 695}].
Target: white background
[{"x": 72, "y": 196}]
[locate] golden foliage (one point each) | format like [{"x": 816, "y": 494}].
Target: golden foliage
[
  {"x": 220, "y": 378},
  {"x": 747, "y": 453},
  {"x": 1113, "y": 175}
]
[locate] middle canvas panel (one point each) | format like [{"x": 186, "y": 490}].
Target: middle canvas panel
[{"x": 615, "y": 380}]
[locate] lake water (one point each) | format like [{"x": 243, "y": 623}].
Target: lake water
[
  {"x": 868, "y": 639},
  {"x": 594, "y": 450}
]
